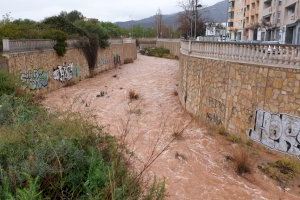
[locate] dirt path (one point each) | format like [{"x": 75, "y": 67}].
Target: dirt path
[{"x": 194, "y": 166}]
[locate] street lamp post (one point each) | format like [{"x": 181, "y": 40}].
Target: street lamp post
[{"x": 196, "y": 16}]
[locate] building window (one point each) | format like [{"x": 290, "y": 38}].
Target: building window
[
  {"x": 291, "y": 9},
  {"x": 298, "y": 40}
]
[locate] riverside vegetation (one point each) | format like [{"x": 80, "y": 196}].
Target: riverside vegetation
[
  {"x": 53, "y": 156},
  {"x": 158, "y": 52},
  {"x": 285, "y": 170}
]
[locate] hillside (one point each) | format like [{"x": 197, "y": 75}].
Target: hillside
[{"x": 214, "y": 13}]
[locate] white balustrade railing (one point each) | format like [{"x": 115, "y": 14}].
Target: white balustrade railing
[{"x": 269, "y": 54}]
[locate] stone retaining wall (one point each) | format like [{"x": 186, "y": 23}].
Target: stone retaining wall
[
  {"x": 44, "y": 71},
  {"x": 242, "y": 96}
]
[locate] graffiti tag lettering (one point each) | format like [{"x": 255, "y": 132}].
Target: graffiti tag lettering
[
  {"x": 277, "y": 131},
  {"x": 35, "y": 79},
  {"x": 66, "y": 72},
  {"x": 103, "y": 61}
]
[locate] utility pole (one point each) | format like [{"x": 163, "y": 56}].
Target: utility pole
[
  {"x": 192, "y": 15},
  {"x": 196, "y": 16}
]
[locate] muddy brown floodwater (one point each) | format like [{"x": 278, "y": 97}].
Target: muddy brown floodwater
[{"x": 194, "y": 166}]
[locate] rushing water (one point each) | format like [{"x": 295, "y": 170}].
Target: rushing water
[{"x": 193, "y": 166}]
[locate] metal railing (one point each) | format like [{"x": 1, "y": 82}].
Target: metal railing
[{"x": 287, "y": 56}]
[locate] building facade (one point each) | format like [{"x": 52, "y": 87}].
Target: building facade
[
  {"x": 265, "y": 20},
  {"x": 236, "y": 19}
]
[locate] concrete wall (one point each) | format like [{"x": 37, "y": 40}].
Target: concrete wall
[
  {"x": 44, "y": 71},
  {"x": 243, "y": 96}
]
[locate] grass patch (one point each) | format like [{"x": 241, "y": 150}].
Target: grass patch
[
  {"x": 133, "y": 95},
  {"x": 222, "y": 131},
  {"x": 70, "y": 83},
  {"x": 241, "y": 159},
  {"x": 177, "y": 135},
  {"x": 283, "y": 170},
  {"x": 8, "y": 83},
  {"x": 128, "y": 60},
  {"x": 48, "y": 156},
  {"x": 234, "y": 138}
]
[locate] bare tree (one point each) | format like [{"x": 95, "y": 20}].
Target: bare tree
[
  {"x": 158, "y": 23},
  {"x": 189, "y": 19}
]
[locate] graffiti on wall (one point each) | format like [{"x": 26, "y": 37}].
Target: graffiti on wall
[
  {"x": 216, "y": 104},
  {"x": 66, "y": 72},
  {"x": 35, "y": 79},
  {"x": 104, "y": 61},
  {"x": 117, "y": 60},
  {"x": 219, "y": 111},
  {"x": 277, "y": 131}
]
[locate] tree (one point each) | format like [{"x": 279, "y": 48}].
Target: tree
[
  {"x": 158, "y": 24},
  {"x": 187, "y": 19},
  {"x": 93, "y": 29},
  {"x": 73, "y": 16},
  {"x": 113, "y": 30}
]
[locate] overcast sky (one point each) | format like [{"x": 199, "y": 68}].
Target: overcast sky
[{"x": 104, "y": 10}]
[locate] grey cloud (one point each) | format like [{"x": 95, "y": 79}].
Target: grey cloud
[{"x": 105, "y": 10}]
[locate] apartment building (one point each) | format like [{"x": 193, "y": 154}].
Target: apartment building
[
  {"x": 236, "y": 19},
  {"x": 251, "y": 19},
  {"x": 267, "y": 20}
]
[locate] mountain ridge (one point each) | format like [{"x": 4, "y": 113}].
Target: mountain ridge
[{"x": 215, "y": 13}]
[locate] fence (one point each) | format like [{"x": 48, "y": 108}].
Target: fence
[
  {"x": 39, "y": 44},
  {"x": 287, "y": 56}
]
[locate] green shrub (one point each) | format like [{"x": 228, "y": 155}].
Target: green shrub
[
  {"x": 48, "y": 156},
  {"x": 8, "y": 83},
  {"x": 283, "y": 170},
  {"x": 157, "y": 52},
  {"x": 128, "y": 60},
  {"x": 60, "y": 37},
  {"x": 234, "y": 138}
]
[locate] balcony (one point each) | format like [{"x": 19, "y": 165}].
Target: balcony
[
  {"x": 290, "y": 2},
  {"x": 290, "y": 19},
  {"x": 230, "y": 9},
  {"x": 254, "y": 11},
  {"x": 267, "y": 11}
]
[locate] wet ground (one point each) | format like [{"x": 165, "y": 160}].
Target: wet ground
[{"x": 194, "y": 165}]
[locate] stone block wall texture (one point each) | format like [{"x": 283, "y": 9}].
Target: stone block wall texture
[
  {"x": 44, "y": 71},
  {"x": 229, "y": 93}
]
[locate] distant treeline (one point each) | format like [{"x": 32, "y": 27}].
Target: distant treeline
[{"x": 72, "y": 25}]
